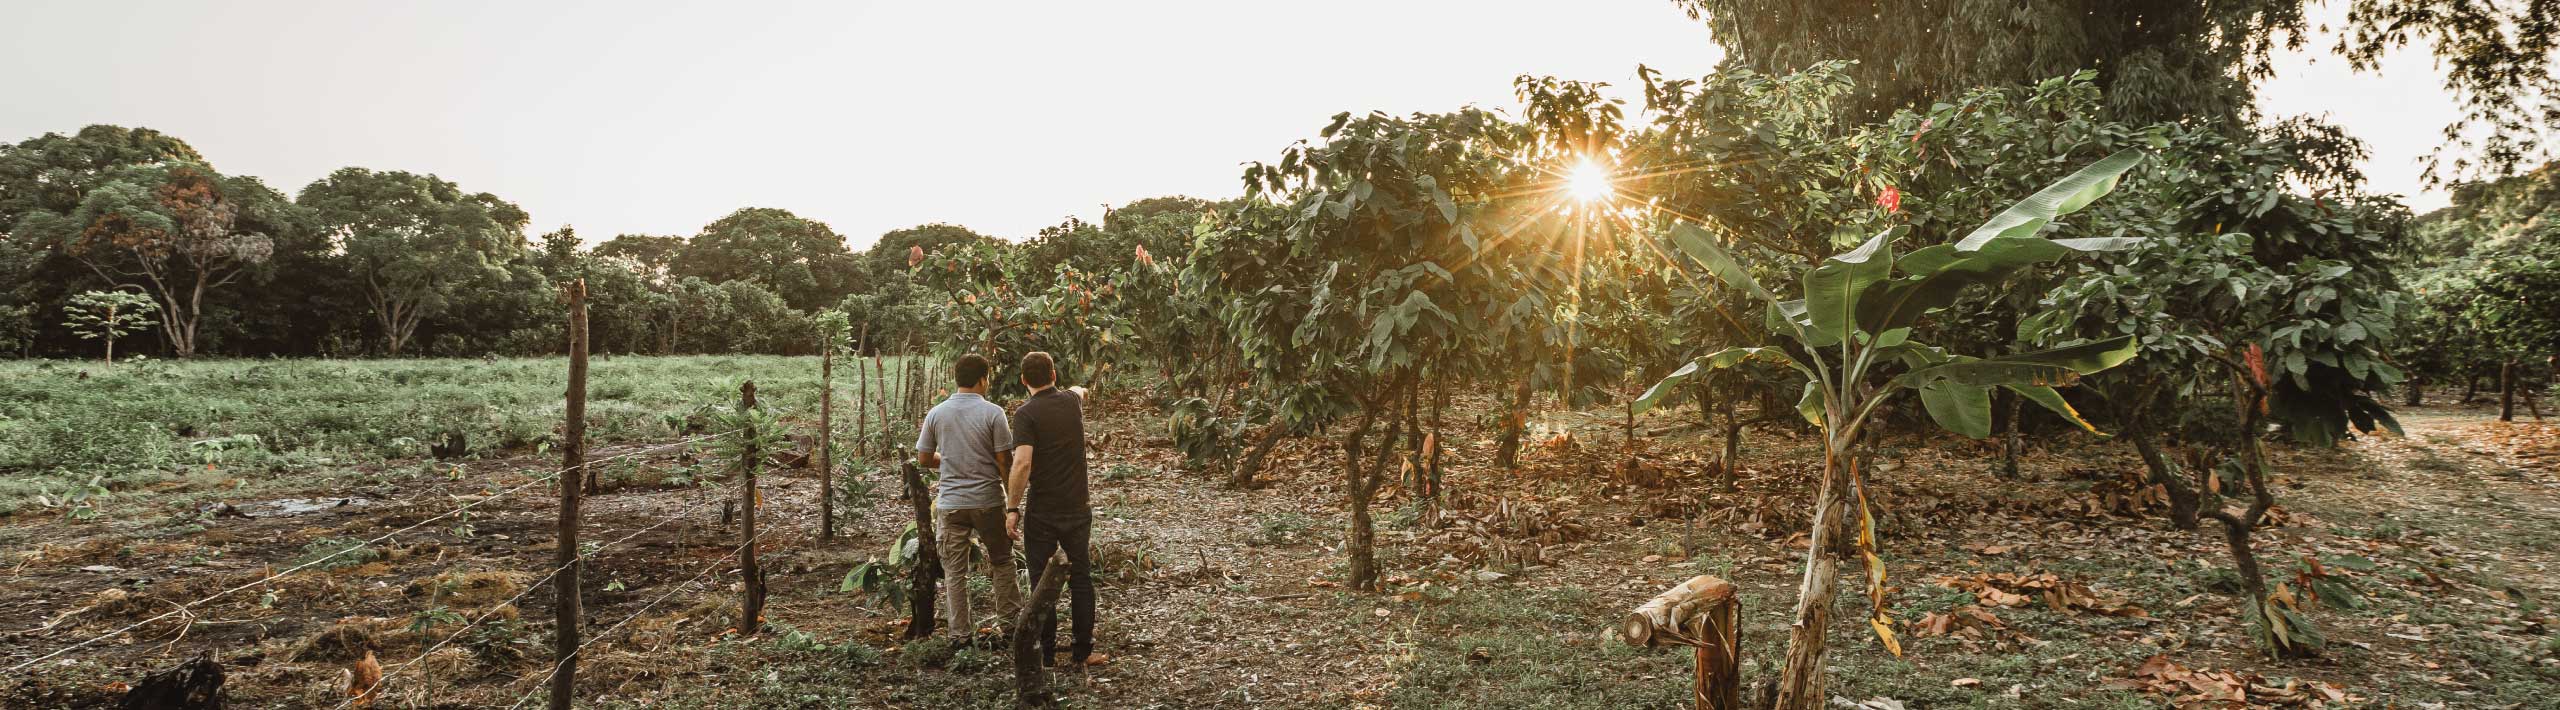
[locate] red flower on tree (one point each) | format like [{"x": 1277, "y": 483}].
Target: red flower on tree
[{"x": 1890, "y": 199}]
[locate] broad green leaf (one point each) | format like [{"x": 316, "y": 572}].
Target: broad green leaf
[
  {"x": 2086, "y": 358},
  {"x": 1810, "y": 405},
  {"x": 1718, "y": 360},
  {"x": 1963, "y": 409},
  {"x": 2052, "y": 401},
  {"x": 1982, "y": 373},
  {"x": 1795, "y": 318},
  {"x": 1701, "y": 246},
  {"x": 1934, "y": 276},
  {"x": 2061, "y": 198},
  {"x": 1831, "y": 291}
]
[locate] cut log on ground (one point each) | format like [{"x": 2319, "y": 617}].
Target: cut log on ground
[{"x": 1702, "y": 613}]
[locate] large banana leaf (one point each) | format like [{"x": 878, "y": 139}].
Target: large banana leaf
[
  {"x": 2085, "y": 358},
  {"x": 1796, "y": 317},
  {"x": 1701, "y": 246},
  {"x": 2042, "y": 368},
  {"x": 1963, "y": 409},
  {"x": 2052, "y": 401},
  {"x": 1935, "y": 275},
  {"x": 2066, "y": 196},
  {"x": 1831, "y": 291},
  {"x": 1985, "y": 373},
  {"x": 1810, "y": 405},
  {"x": 1717, "y": 360}
]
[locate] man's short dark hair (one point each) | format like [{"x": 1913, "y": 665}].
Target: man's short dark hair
[
  {"x": 1038, "y": 369},
  {"x": 970, "y": 369}
]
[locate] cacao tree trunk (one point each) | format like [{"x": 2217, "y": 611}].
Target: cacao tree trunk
[
  {"x": 2413, "y": 396},
  {"x": 2182, "y": 498},
  {"x": 2010, "y": 440},
  {"x": 1515, "y": 421},
  {"x": 2507, "y": 391},
  {"x": 1242, "y": 477}
]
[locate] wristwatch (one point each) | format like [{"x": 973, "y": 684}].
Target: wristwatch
[{"x": 1013, "y": 510}]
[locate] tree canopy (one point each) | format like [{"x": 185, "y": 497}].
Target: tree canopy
[{"x": 2161, "y": 60}]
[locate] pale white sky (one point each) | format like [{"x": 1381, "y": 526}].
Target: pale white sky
[{"x": 659, "y": 117}]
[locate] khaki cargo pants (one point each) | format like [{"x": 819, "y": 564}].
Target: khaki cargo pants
[{"x": 952, "y": 541}]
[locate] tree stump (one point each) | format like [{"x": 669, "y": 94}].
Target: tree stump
[
  {"x": 193, "y": 685},
  {"x": 1030, "y": 673},
  {"x": 1702, "y": 613}
]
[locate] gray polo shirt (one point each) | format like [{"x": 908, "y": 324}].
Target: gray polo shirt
[{"x": 967, "y": 431}]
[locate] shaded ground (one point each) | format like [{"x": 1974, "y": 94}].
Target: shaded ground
[{"x": 2446, "y": 540}]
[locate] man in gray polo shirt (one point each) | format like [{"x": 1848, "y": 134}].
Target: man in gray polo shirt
[{"x": 967, "y": 438}]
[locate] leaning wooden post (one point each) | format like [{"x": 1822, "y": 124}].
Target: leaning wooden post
[
  {"x": 861, "y": 414},
  {"x": 573, "y": 465},
  {"x": 827, "y": 437},
  {"x": 751, "y": 608},
  {"x": 1030, "y": 675},
  {"x": 923, "y": 578},
  {"x": 1701, "y": 613}
]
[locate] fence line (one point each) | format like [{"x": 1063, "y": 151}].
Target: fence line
[
  {"x": 190, "y": 606},
  {"x": 644, "y": 609},
  {"x": 395, "y": 670}
]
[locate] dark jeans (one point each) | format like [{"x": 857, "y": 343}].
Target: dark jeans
[{"x": 1040, "y": 536}]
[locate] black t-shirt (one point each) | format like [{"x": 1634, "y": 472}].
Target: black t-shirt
[{"x": 1052, "y": 424}]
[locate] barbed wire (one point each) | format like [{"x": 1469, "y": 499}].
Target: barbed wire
[
  {"x": 581, "y": 650},
  {"x": 583, "y": 555},
  {"x": 188, "y": 608}
]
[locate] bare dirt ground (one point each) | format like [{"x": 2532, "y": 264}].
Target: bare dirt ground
[{"x": 2438, "y": 551}]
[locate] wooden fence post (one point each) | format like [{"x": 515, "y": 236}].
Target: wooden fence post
[
  {"x": 1701, "y": 613},
  {"x": 922, "y": 579},
  {"x": 861, "y": 415},
  {"x": 751, "y": 608},
  {"x": 573, "y": 478},
  {"x": 827, "y": 439}
]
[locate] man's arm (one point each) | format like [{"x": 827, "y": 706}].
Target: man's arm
[
  {"x": 1013, "y": 490},
  {"x": 1019, "y": 479}
]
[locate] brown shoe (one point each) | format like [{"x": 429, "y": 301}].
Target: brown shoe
[{"x": 1097, "y": 659}]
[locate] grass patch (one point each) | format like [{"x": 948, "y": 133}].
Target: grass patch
[{"x": 63, "y": 424}]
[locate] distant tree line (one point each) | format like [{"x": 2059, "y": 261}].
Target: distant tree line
[{"x": 369, "y": 262}]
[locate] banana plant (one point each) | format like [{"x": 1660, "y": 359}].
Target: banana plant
[{"x": 1851, "y": 340}]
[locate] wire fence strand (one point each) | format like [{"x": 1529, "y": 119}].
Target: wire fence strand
[
  {"x": 583, "y": 555},
  {"x": 188, "y": 608},
  {"x": 644, "y": 609}
]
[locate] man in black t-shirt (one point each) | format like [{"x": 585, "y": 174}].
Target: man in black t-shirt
[{"x": 1049, "y": 466}]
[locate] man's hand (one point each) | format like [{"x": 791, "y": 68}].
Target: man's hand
[
  {"x": 1080, "y": 391},
  {"x": 1013, "y": 525}
]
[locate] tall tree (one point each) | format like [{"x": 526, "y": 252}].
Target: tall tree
[
  {"x": 179, "y": 231},
  {"x": 800, "y": 258},
  {"x": 411, "y": 240},
  {"x": 54, "y": 173},
  {"x": 2166, "y": 59},
  {"x": 655, "y": 254}
]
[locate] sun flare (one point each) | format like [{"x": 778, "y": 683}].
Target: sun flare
[{"x": 1588, "y": 182}]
